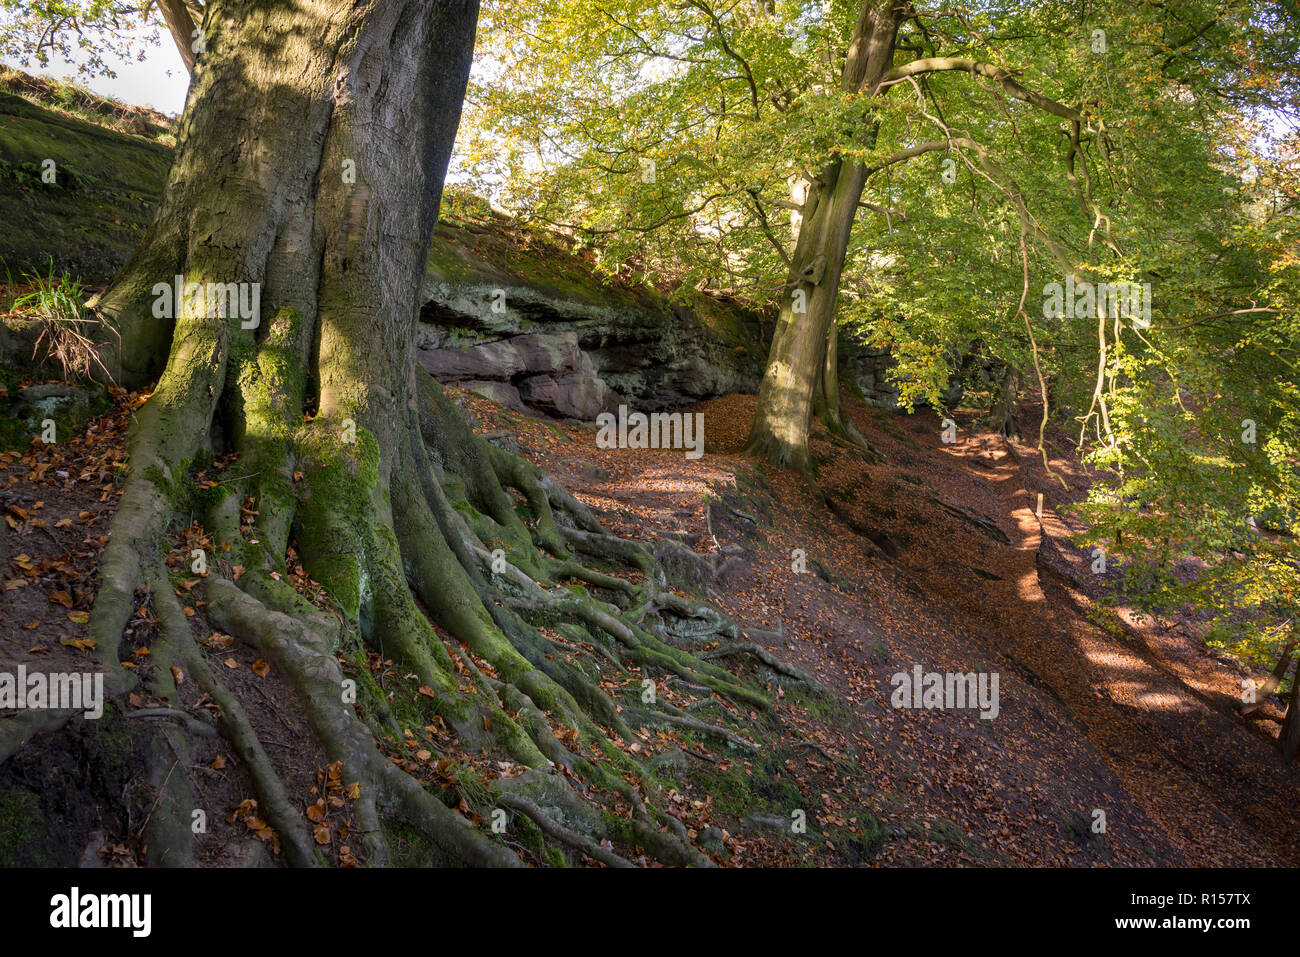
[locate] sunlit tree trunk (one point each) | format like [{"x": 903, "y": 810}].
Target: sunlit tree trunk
[
  {"x": 795, "y": 382},
  {"x": 307, "y": 179}
]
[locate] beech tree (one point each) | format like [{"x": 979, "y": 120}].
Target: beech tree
[
  {"x": 308, "y": 172},
  {"x": 784, "y": 137},
  {"x": 921, "y": 174}
]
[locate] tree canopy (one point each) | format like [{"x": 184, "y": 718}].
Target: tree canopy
[{"x": 1011, "y": 146}]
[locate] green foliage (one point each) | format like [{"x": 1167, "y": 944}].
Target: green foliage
[
  {"x": 1203, "y": 446},
  {"x": 33, "y": 32},
  {"x": 672, "y": 139},
  {"x": 68, "y": 332}
]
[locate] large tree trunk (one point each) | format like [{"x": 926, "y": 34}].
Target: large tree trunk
[
  {"x": 310, "y": 161},
  {"x": 799, "y": 344},
  {"x": 795, "y": 373}
]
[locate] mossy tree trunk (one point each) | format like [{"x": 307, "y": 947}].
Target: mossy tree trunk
[
  {"x": 795, "y": 383},
  {"x": 310, "y": 161},
  {"x": 799, "y": 345}
]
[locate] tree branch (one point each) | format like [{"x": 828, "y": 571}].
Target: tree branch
[
  {"x": 181, "y": 26},
  {"x": 999, "y": 74}
]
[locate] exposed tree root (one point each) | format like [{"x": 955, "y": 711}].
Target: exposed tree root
[
  {"x": 335, "y": 512},
  {"x": 557, "y": 830},
  {"x": 458, "y": 561}
]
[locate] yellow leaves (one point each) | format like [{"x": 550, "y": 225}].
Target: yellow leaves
[
  {"x": 333, "y": 776},
  {"x": 178, "y": 676},
  {"x": 79, "y": 617},
  {"x": 84, "y": 644},
  {"x": 330, "y": 780},
  {"x": 231, "y": 663},
  {"x": 246, "y": 813},
  {"x": 261, "y": 668}
]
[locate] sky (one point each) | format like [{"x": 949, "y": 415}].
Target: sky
[{"x": 160, "y": 81}]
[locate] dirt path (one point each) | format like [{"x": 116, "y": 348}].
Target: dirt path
[
  {"x": 1212, "y": 784},
  {"x": 1202, "y": 772},
  {"x": 952, "y": 568}
]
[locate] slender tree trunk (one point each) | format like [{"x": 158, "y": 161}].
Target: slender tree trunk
[
  {"x": 1271, "y": 683},
  {"x": 795, "y": 371},
  {"x": 826, "y": 401},
  {"x": 181, "y": 26},
  {"x": 1289, "y": 737},
  {"x": 1002, "y": 417}
]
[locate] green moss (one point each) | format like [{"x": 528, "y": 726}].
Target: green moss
[
  {"x": 21, "y": 421},
  {"x": 859, "y": 847},
  {"x": 737, "y": 794},
  {"x": 942, "y": 830},
  {"x": 409, "y": 847},
  {"x": 523, "y": 831},
  {"x": 20, "y": 827},
  {"x": 95, "y": 218},
  {"x": 334, "y": 508},
  {"x": 407, "y": 708},
  {"x": 819, "y": 706}
]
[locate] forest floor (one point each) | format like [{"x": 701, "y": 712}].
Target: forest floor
[
  {"x": 938, "y": 557},
  {"x": 935, "y": 558}
]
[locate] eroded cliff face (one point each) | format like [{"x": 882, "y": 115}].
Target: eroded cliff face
[{"x": 530, "y": 325}]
